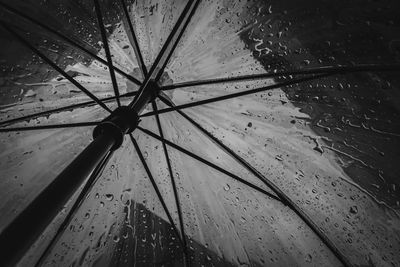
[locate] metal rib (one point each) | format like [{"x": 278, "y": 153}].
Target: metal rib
[
  {"x": 229, "y": 151},
  {"x": 176, "y": 195},
  {"x": 153, "y": 182},
  {"x": 160, "y": 72},
  {"x": 134, "y": 40},
  {"x": 51, "y": 126},
  {"x": 107, "y": 50},
  {"x": 163, "y": 49},
  {"x": 210, "y": 164},
  {"x": 234, "y": 95},
  {"x": 328, "y": 70},
  {"x": 68, "y": 40},
  {"x": 282, "y": 196},
  {"x": 53, "y": 65},
  {"x": 70, "y": 107}
]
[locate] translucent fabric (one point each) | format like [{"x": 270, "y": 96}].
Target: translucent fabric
[
  {"x": 28, "y": 79},
  {"x": 153, "y": 22},
  {"x": 223, "y": 38},
  {"x": 266, "y": 170}
]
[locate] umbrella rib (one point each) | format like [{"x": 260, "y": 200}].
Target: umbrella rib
[
  {"x": 160, "y": 72},
  {"x": 282, "y": 196},
  {"x": 65, "y": 38},
  {"x": 78, "y": 202},
  {"x": 313, "y": 71},
  {"x": 50, "y": 126},
  {"x": 134, "y": 41},
  {"x": 176, "y": 195},
  {"x": 53, "y": 65},
  {"x": 107, "y": 50},
  {"x": 163, "y": 49},
  {"x": 210, "y": 164},
  {"x": 229, "y": 151},
  {"x": 153, "y": 182},
  {"x": 234, "y": 95},
  {"x": 70, "y": 107}
]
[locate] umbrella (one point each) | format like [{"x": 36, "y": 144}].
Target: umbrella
[{"x": 199, "y": 133}]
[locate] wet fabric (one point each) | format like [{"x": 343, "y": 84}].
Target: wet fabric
[{"x": 330, "y": 145}]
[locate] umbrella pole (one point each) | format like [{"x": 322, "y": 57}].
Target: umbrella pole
[
  {"x": 20, "y": 235},
  {"x": 26, "y": 228}
]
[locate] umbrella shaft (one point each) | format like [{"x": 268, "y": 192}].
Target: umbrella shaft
[{"x": 18, "y": 237}]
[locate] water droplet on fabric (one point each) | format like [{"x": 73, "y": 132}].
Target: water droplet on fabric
[
  {"x": 354, "y": 210},
  {"x": 308, "y": 258},
  {"x": 109, "y": 197}
]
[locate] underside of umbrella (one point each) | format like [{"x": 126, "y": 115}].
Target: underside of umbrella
[{"x": 199, "y": 133}]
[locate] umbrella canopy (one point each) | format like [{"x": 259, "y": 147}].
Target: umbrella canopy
[{"x": 269, "y": 132}]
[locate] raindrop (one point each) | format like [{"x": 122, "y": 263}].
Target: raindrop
[
  {"x": 109, "y": 197},
  {"x": 308, "y": 258},
  {"x": 30, "y": 93},
  {"x": 319, "y": 149},
  {"x": 354, "y": 209},
  {"x": 126, "y": 234}
]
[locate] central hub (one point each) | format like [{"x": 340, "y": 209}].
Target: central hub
[
  {"x": 147, "y": 94},
  {"x": 153, "y": 88},
  {"x": 122, "y": 121},
  {"x": 125, "y": 119}
]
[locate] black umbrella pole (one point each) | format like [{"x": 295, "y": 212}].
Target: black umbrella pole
[{"x": 19, "y": 236}]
